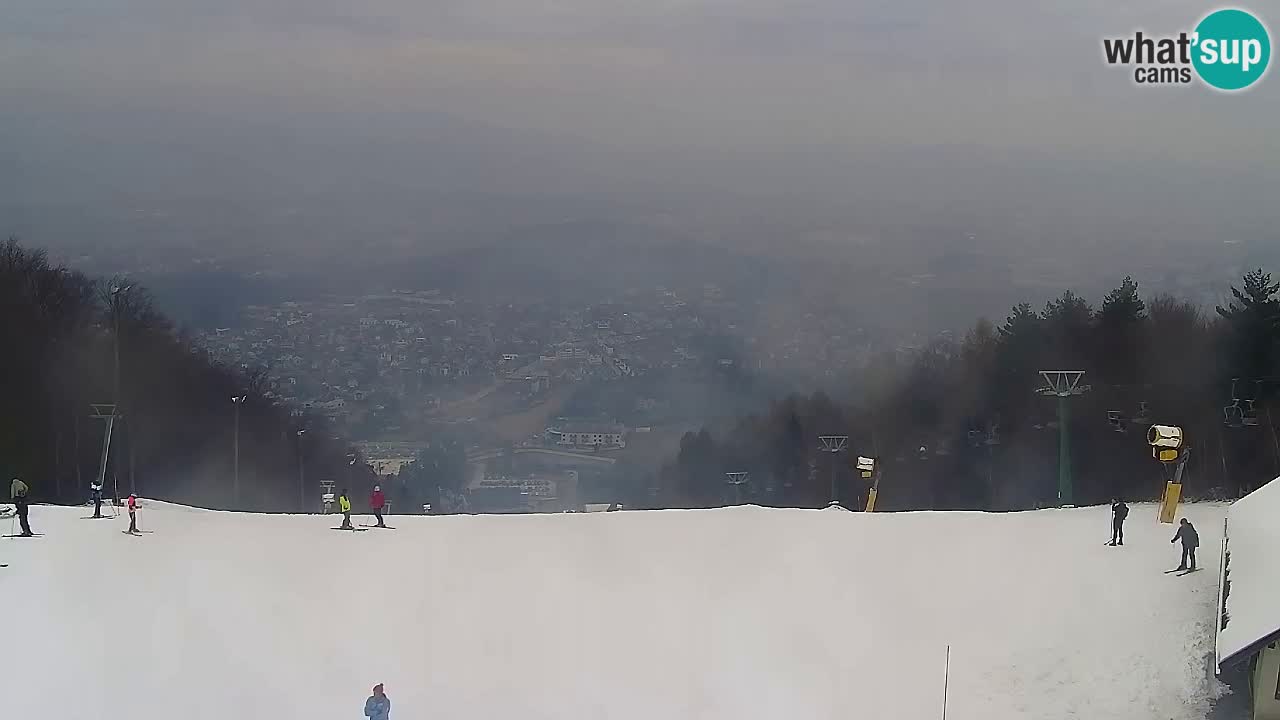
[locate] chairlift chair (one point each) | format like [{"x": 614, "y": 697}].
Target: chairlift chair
[
  {"x": 1144, "y": 414},
  {"x": 1116, "y": 420},
  {"x": 975, "y": 437},
  {"x": 993, "y": 434},
  {"x": 1233, "y": 415},
  {"x": 1249, "y": 416}
]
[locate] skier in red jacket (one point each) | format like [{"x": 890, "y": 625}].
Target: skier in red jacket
[
  {"x": 377, "y": 501},
  {"x": 133, "y": 513}
]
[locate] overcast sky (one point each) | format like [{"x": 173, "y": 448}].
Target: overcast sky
[{"x": 886, "y": 107}]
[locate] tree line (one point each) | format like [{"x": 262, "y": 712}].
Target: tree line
[
  {"x": 71, "y": 341},
  {"x": 958, "y": 424}
]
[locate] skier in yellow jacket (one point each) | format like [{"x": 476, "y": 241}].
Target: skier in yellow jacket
[{"x": 344, "y": 504}]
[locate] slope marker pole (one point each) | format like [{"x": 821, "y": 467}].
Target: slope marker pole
[{"x": 946, "y": 682}]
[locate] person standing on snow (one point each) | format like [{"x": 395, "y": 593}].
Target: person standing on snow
[
  {"x": 95, "y": 494},
  {"x": 1190, "y": 541},
  {"x": 377, "y": 501},
  {"x": 18, "y": 491},
  {"x": 344, "y": 505},
  {"x": 133, "y": 513},
  {"x": 378, "y": 706},
  {"x": 1119, "y": 511}
]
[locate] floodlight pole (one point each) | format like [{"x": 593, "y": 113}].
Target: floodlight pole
[
  {"x": 834, "y": 444},
  {"x": 302, "y": 475},
  {"x": 235, "y": 444},
  {"x": 1063, "y": 384}
]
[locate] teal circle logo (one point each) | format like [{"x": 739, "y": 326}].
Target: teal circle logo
[{"x": 1232, "y": 49}]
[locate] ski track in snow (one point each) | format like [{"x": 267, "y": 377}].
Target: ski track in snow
[{"x": 740, "y": 614}]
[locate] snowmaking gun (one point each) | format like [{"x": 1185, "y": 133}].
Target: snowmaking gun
[
  {"x": 1167, "y": 446},
  {"x": 867, "y": 469}
]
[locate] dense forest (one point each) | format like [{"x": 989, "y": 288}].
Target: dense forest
[
  {"x": 71, "y": 342},
  {"x": 959, "y": 424}
]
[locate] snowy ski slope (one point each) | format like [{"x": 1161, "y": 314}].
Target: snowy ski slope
[{"x": 739, "y": 614}]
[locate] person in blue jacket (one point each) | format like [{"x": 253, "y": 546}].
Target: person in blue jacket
[{"x": 378, "y": 706}]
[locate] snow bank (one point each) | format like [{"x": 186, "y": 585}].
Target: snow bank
[
  {"x": 1254, "y": 541},
  {"x": 739, "y": 614}
]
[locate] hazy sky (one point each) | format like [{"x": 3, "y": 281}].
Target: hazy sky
[{"x": 376, "y": 109}]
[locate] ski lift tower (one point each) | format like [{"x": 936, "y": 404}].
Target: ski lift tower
[
  {"x": 736, "y": 479},
  {"x": 834, "y": 444},
  {"x": 106, "y": 411},
  {"x": 1063, "y": 384}
]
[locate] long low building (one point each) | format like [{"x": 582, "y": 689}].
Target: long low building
[
  {"x": 1249, "y": 597},
  {"x": 589, "y": 435}
]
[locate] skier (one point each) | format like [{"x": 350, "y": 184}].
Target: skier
[
  {"x": 378, "y": 706},
  {"x": 1119, "y": 511},
  {"x": 344, "y": 505},
  {"x": 18, "y": 491},
  {"x": 95, "y": 494},
  {"x": 1190, "y": 541},
  {"x": 377, "y": 501},
  {"x": 133, "y": 513}
]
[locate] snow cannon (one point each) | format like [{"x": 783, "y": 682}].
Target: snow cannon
[
  {"x": 866, "y": 466},
  {"x": 1165, "y": 441}
]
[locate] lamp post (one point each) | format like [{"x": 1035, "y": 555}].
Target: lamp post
[
  {"x": 236, "y": 401},
  {"x": 115, "y": 327},
  {"x": 116, "y": 292},
  {"x": 302, "y": 475}
]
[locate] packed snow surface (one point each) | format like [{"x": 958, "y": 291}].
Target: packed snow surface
[{"x": 742, "y": 613}]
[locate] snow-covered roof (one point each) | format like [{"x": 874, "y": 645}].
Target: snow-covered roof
[{"x": 1251, "y": 616}]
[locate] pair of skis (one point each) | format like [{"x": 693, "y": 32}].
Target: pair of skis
[{"x": 1182, "y": 571}]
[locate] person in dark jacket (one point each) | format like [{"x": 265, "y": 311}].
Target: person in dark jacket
[
  {"x": 95, "y": 494},
  {"x": 1119, "y": 511},
  {"x": 377, "y": 501},
  {"x": 1190, "y": 541},
  {"x": 378, "y": 706},
  {"x": 18, "y": 491}
]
